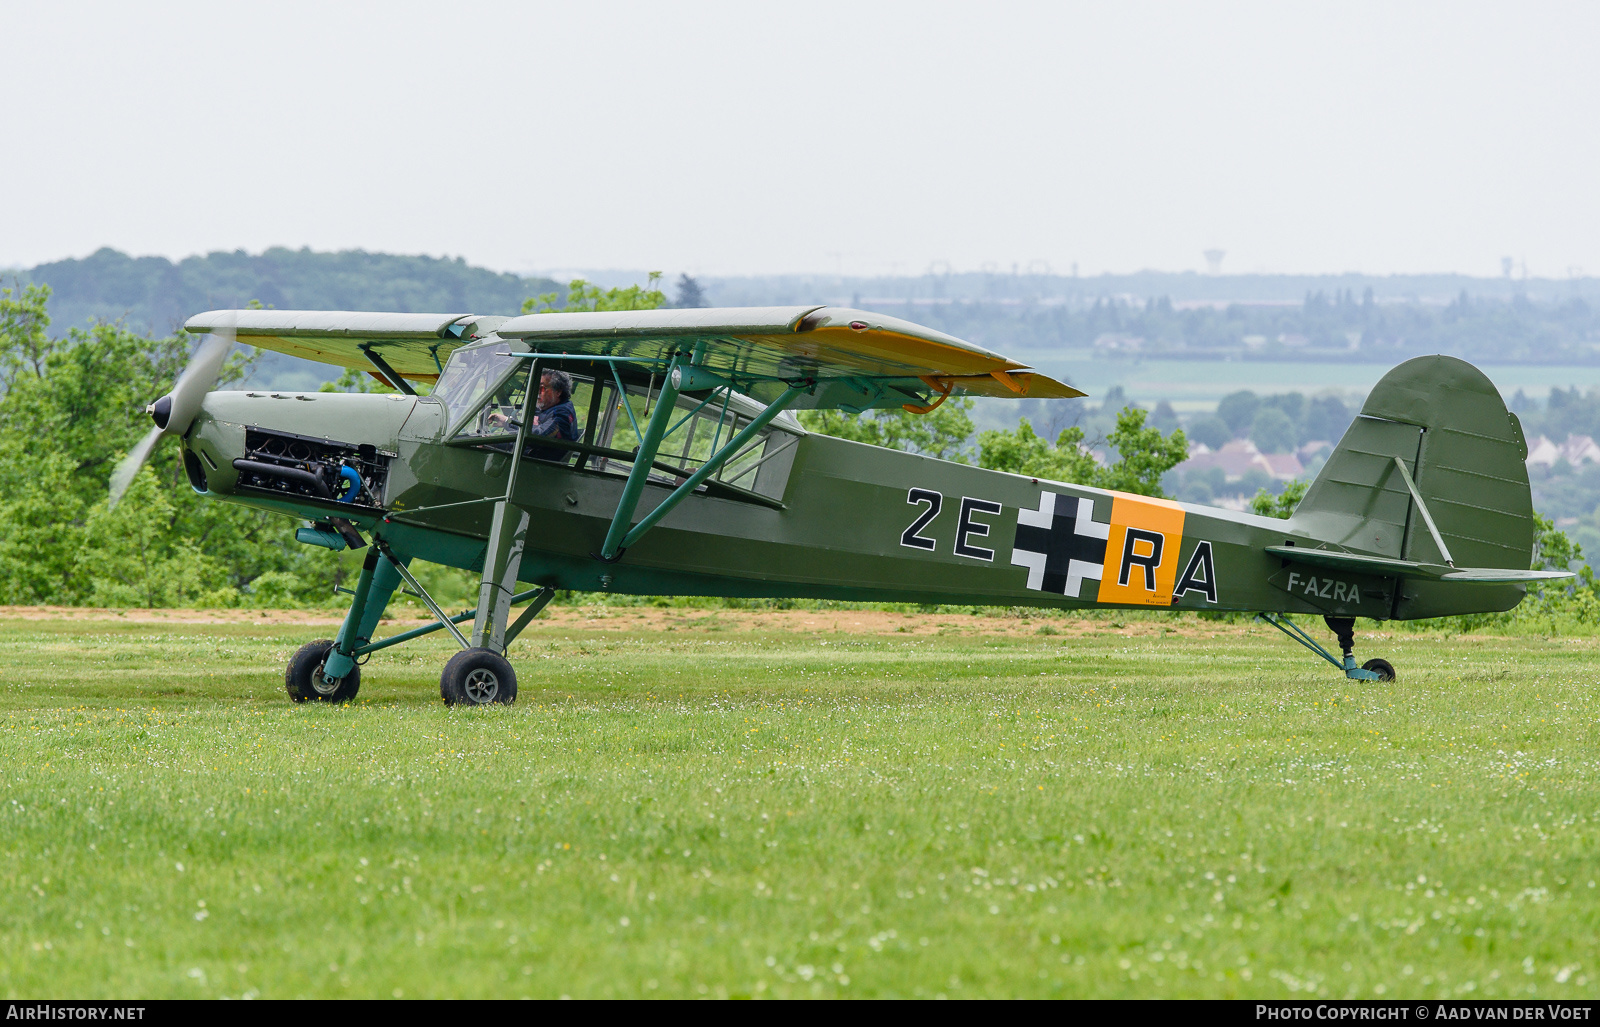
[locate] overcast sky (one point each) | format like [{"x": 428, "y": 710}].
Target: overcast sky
[{"x": 864, "y": 137}]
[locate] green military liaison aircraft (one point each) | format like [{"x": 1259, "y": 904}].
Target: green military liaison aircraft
[{"x": 691, "y": 476}]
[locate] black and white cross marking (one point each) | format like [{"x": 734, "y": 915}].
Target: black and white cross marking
[{"x": 1061, "y": 544}]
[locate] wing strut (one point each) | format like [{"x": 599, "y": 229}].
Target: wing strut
[
  {"x": 388, "y": 372},
  {"x": 620, "y": 536},
  {"x": 508, "y": 535},
  {"x": 711, "y": 466},
  {"x": 649, "y": 443}
]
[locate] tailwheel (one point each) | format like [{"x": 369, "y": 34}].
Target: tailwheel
[
  {"x": 1383, "y": 668},
  {"x": 477, "y": 677},
  {"x": 304, "y": 682},
  {"x": 1344, "y": 628}
]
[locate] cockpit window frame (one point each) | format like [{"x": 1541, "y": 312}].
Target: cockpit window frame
[
  {"x": 458, "y": 422},
  {"x": 768, "y": 457}
]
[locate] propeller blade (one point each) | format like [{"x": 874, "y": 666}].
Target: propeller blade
[
  {"x": 199, "y": 378},
  {"x": 129, "y": 468},
  {"x": 174, "y": 412}
]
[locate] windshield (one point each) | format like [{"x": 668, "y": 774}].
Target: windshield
[
  {"x": 502, "y": 411},
  {"x": 470, "y": 374}
]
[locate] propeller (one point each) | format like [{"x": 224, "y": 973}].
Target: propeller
[{"x": 175, "y": 412}]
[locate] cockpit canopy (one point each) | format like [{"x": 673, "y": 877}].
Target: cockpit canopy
[{"x": 487, "y": 379}]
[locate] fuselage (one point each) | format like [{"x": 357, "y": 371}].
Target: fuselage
[{"x": 821, "y": 518}]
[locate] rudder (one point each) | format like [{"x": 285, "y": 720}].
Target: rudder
[{"x": 1467, "y": 457}]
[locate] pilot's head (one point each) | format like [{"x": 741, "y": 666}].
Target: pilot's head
[{"x": 554, "y": 387}]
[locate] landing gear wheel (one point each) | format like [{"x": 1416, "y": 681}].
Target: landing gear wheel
[
  {"x": 477, "y": 677},
  {"x": 1383, "y": 668},
  {"x": 303, "y": 678}
]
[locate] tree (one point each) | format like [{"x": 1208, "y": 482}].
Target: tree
[
  {"x": 71, "y": 410},
  {"x": 1281, "y": 505},
  {"x": 1212, "y": 430},
  {"x": 1254, "y": 478},
  {"x": 1164, "y": 417},
  {"x": 153, "y": 294},
  {"x": 1326, "y": 419},
  {"x": 1144, "y": 455},
  {"x": 584, "y": 295},
  {"x": 1291, "y": 403},
  {"x": 1022, "y": 451},
  {"x": 1553, "y": 550},
  {"x": 41, "y": 528},
  {"x": 690, "y": 294},
  {"x": 24, "y": 324},
  {"x": 1204, "y": 486},
  {"x": 1239, "y": 409},
  {"x": 943, "y": 433},
  {"x": 1272, "y": 431},
  {"x": 133, "y": 557}
]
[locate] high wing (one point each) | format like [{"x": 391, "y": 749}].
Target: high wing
[
  {"x": 857, "y": 359},
  {"x": 415, "y": 345},
  {"x": 851, "y": 359}
]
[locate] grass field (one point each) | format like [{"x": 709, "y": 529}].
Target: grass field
[{"x": 710, "y": 806}]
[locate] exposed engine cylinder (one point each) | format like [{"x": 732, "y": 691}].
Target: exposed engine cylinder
[{"x": 301, "y": 466}]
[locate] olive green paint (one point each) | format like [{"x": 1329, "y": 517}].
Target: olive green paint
[{"x": 845, "y": 506}]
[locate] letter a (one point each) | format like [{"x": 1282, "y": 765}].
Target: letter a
[{"x": 1200, "y": 574}]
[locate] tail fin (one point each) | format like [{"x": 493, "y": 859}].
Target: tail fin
[{"x": 1465, "y": 453}]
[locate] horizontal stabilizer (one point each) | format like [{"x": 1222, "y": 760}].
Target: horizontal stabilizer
[
  {"x": 1356, "y": 563},
  {"x": 1500, "y": 575}
]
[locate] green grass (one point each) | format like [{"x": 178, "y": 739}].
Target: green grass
[{"x": 694, "y": 813}]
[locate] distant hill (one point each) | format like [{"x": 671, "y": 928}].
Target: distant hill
[
  {"x": 155, "y": 295},
  {"x": 1181, "y": 287},
  {"x": 1378, "y": 319}
]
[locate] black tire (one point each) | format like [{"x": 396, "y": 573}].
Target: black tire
[
  {"x": 303, "y": 678},
  {"x": 1383, "y": 668},
  {"x": 477, "y": 677}
]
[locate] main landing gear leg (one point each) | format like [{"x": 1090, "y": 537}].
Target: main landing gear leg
[
  {"x": 326, "y": 670},
  {"x": 481, "y": 674},
  {"x": 1344, "y": 629}
]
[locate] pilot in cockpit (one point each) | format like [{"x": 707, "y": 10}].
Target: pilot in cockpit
[{"x": 554, "y": 417}]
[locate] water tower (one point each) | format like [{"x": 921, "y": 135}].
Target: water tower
[{"x": 1214, "y": 261}]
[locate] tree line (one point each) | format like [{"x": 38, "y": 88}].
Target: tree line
[
  {"x": 1489, "y": 321},
  {"x": 1323, "y": 326}
]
